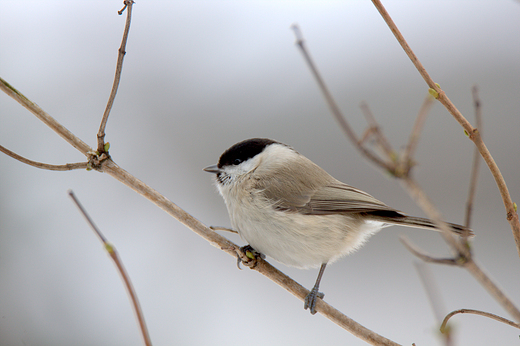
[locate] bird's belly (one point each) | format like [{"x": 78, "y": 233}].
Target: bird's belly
[{"x": 299, "y": 240}]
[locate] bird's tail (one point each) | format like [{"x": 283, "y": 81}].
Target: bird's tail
[{"x": 420, "y": 222}]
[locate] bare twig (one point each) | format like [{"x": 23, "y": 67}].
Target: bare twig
[
  {"x": 115, "y": 257},
  {"x": 46, "y": 118},
  {"x": 333, "y": 106},
  {"x": 464, "y": 255},
  {"x": 119, "y": 67},
  {"x": 476, "y": 160},
  {"x": 409, "y": 152},
  {"x": 474, "y": 135},
  {"x": 374, "y": 128},
  {"x": 218, "y": 228},
  {"x": 125, "y": 3},
  {"x": 65, "y": 167},
  {"x": 94, "y": 158},
  {"x": 425, "y": 257},
  {"x": 434, "y": 296},
  {"x": 405, "y": 46},
  {"x": 492, "y": 288},
  {"x": 477, "y": 312}
]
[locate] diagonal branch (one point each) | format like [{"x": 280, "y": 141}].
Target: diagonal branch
[
  {"x": 476, "y": 160},
  {"x": 46, "y": 118},
  {"x": 434, "y": 296},
  {"x": 333, "y": 106},
  {"x": 409, "y": 152},
  {"x": 373, "y": 127},
  {"x": 117, "y": 77},
  {"x": 229, "y": 247},
  {"x": 119, "y": 264},
  {"x": 473, "y": 133}
]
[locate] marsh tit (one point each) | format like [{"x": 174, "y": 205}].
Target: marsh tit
[{"x": 288, "y": 208}]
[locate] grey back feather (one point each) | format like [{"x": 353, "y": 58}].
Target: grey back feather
[{"x": 305, "y": 187}]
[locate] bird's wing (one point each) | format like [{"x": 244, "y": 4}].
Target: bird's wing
[
  {"x": 306, "y": 188},
  {"x": 338, "y": 197}
]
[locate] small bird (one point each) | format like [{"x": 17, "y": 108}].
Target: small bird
[{"x": 288, "y": 208}]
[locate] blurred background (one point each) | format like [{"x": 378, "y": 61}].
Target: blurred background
[{"x": 200, "y": 76}]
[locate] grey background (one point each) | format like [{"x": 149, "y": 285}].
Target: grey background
[{"x": 200, "y": 76}]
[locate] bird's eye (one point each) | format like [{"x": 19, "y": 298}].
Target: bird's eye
[{"x": 237, "y": 161}]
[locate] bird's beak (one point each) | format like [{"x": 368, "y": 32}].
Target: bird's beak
[{"x": 212, "y": 169}]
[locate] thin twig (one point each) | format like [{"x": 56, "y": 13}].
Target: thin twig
[
  {"x": 125, "y": 3},
  {"x": 405, "y": 45},
  {"x": 480, "y": 313},
  {"x": 474, "y": 134},
  {"x": 46, "y": 118},
  {"x": 218, "y": 228},
  {"x": 115, "y": 257},
  {"x": 423, "y": 256},
  {"x": 65, "y": 167},
  {"x": 418, "y": 195},
  {"x": 476, "y": 160},
  {"x": 117, "y": 77},
  {"x": 374, "y": 128},
  {"x": 409, "y": 152},
  {"x": 434, "y": 296},
  {"x": 464, "y": 254},
  {"x": 332, "y": 103}
]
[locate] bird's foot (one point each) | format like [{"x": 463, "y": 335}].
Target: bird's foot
[
  {"x": 248, "y": 256},
  {"x": 310, "y": 300}
]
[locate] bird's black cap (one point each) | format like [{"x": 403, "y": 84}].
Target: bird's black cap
[{"x": 243, "y": 151}]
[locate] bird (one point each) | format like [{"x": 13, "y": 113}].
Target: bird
[{"x": 290, "y": 209}]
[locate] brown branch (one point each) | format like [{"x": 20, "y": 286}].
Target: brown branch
[
  {"x": 46, "y": 118},
  {"x": 464, "y": 257},
  {"x": 217, "y": 228},
  {"x": 424, "y": 256},
  {"x": 65, "y": 167},
  {"x": 474, "y": 135},
  {"x": 334, "y": 107},
  {"x": 117, "y": 78},
  {"x": 229, "y": 247},
  {"x": 476, "y": 160},
  {"x": 374, "y": 128},
  {"x": 434, "y": 296},
  {"x": 115, "y": 257},
  {"x": 409, "y": 152},
  {"x": 324, "y": 309},
  {"x": 477, "y": 312}
]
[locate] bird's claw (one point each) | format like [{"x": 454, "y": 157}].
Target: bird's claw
[
  {"x": 310, "y": 300},
  {"x": 248, "y": 256}
]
